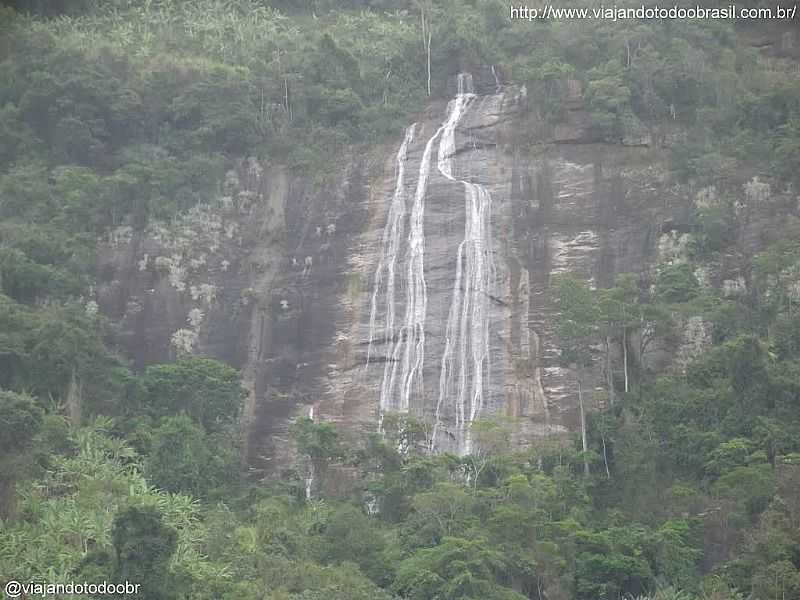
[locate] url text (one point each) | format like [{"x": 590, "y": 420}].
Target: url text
[{"x": 614, "y": 13}]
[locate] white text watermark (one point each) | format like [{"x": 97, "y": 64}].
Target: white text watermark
[
  {"x": 28, "y": 589},
  {"x": 615, "y": 13}
]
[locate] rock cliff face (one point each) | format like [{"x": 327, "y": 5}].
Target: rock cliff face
[{"x": 421, "y": 283}]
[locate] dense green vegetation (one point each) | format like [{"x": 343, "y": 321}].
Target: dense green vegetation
[
  {"x": 117, "y": 113},
  {"x": 682, "y": 472}
]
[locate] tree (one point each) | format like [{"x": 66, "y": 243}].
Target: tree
[
  {"x": 456, "y": 569},
  {"x": 609, "y": 98},
  {"x": 305, "y": 580},
  {"x": 351, "y": 536},
  {"x": 143, "y": 546},
  {"x": 426, "y": 31},
  {"x": 20, "y": 421},
  {"x": 610, "y": 575},
  {"x": 184, "y": 458},
  {"x": 625, "y": 318},
  {"x": 614, "y": 306},
  {"x": 775, "y": 272},
  {"x": 577, "y": 319},
  {"x": 618, "y": 560},
  {"x": 490, "y": 442},
  {"x": 787, "y": 149},
  {"x": 319, "y": 442},
  {"x": 57, "y": 349},
  {"x": 207, "y": 390},
  {"x": 441, "y": 512},
  {"x": 676, "y": 284}
]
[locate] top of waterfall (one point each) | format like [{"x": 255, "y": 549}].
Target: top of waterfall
[
  {"x": 497, "y": 83},
  {"x": 465, "y": 83}
]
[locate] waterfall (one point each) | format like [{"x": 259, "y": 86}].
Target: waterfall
[
  {"x": 407, "y": 346},
  {"x": 416, "y": 290},
  {"x": 392, "y": 234},
  {"x": 310, "y": 477},
  {"x": 416, "y": 295},
  {"x": 465, "y": 359},
  {"x": 497, "y": 84},
  {"x": 466, "y": 349}
]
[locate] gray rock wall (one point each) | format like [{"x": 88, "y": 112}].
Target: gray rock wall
[{"x": 277, "y": 276}]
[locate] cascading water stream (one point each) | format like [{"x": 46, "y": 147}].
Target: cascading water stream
[
  {"x": 466, "y": 349},
  {"x": 310, "y": 476},
  {"x": 497, "y": 85},
  {"x": 416, "y": 296},
  {"x": 392, "y": 235},
  {"x": 406, "y": 347},
  {"x": 466, "y": 353}
]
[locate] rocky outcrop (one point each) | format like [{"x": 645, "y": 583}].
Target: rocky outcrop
[{"x": 287, "y": 280}]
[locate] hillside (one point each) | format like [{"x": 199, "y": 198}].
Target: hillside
[{"x": 368, "y": 299}]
